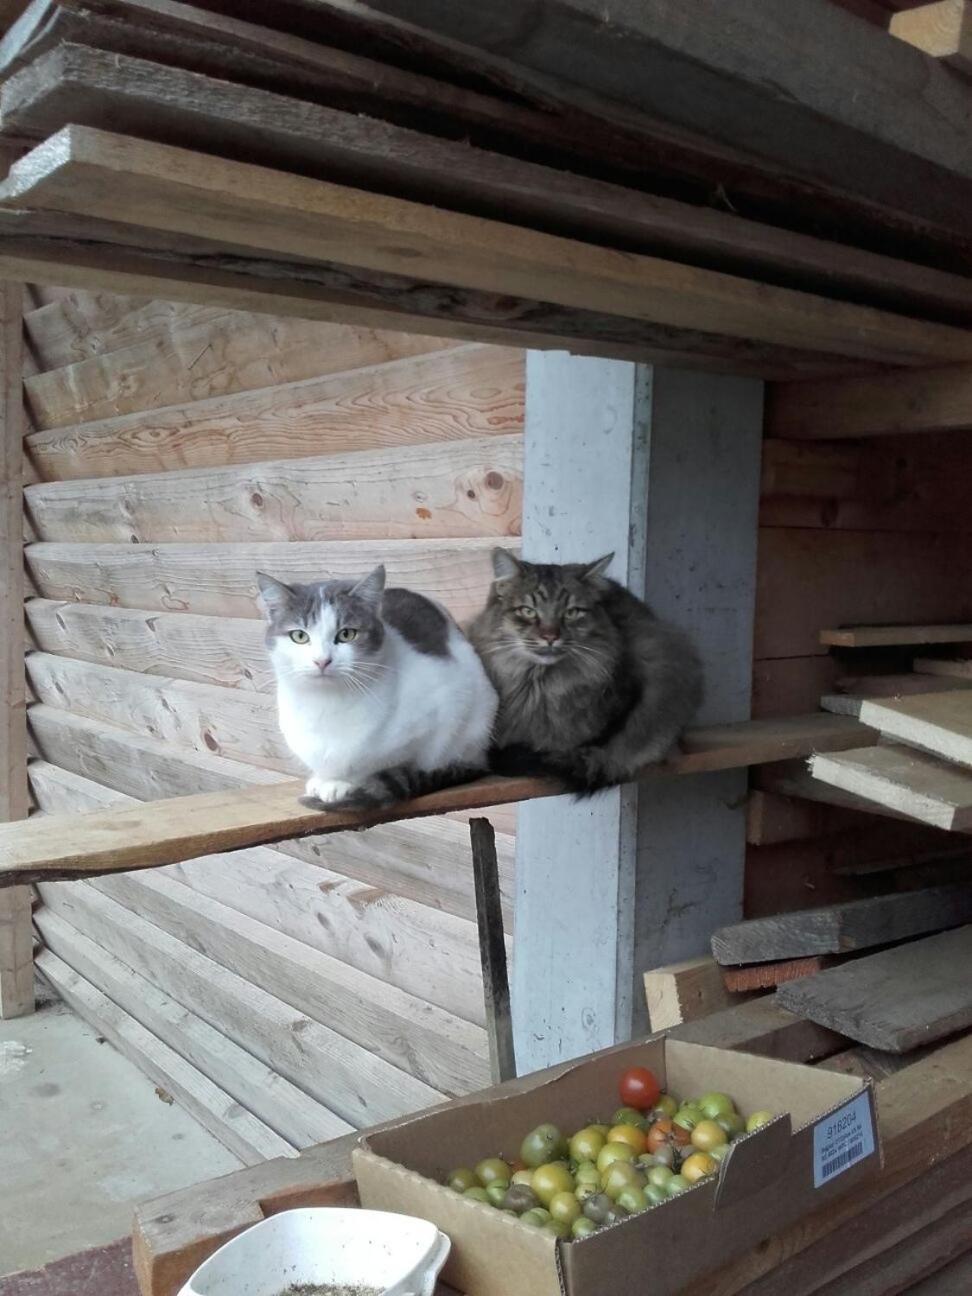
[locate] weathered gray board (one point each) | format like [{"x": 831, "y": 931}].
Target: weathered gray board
[
  {"x": 840, "y": 928},
  {"x": 896, "y": 1000},
  {"x": 663, "y": 468},
  {"x": 902, "y": 779}
]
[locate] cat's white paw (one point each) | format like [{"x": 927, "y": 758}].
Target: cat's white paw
[{"x": 328, "y": 790}]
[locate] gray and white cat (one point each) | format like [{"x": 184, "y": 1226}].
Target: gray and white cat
[
  {"x": 379, "y": 693},
  {"x": 592, "y": 685}
]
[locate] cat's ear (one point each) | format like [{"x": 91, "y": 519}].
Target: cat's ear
[
  {"x": 371, "y": 588},
  {"x": 505, "y": 566},
  {"x": 275, "y": 596},
  {"x": 598, "y": 568}
]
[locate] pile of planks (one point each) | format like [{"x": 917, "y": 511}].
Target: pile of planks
[{"x": 394, "y": 164}]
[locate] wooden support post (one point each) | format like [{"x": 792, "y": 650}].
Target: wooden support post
[
  {"x": 662, "y": 468},
  {"x": 16, "y": 944},
  {"x": 492, "y": 949}
]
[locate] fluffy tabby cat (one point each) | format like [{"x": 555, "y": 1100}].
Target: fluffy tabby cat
[
  {"x": 379, "y": 693},
  {"x": 592, "y": 685}
]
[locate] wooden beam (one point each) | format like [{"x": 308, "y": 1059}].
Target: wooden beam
[
  {"x": 766, "y": 976},
  {"x": 839, "y": 929},
  {"x": 943, "y": 30},
  {"x": 896, "y": 1000},
  {"x": 166, "y": 831},
  {"x": 173, "y": 190},
  {"x": 929, "y": 400},
  {"x": 920, "y": 786},
  {"x": 92, "y": 87},
  {"x": 684, "y": 992},
  {"x": 16, "y": 946},
  {"x": 873, "y": 146},
  {"x": 952, "y": 668},
  {"x": 469, "y": 487},
  {"x": 895, "y": 636}
]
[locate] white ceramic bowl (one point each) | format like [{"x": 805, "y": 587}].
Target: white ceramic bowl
[{"x": 395, "y": 1255}]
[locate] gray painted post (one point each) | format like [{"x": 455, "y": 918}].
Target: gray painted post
[{"x": 663, "y": 468}]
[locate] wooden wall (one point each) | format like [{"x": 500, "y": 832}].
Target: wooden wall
[
  {"x": 851, "y": 533},
  {"x": 287, "y": 994}
]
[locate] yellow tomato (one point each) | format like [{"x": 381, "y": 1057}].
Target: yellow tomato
[
  {"x": 586, "y": 1144},
  {"x": 698, "y": 1166},
  {"x": 615, "y": 1152},
  {"x": 629, "y": 1134},
  {"x": 549, "y": 1180},
  {"x": 708, "y": 1135}
]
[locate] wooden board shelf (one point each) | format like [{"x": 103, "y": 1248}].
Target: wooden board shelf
[{"x": 172, "y": 830}]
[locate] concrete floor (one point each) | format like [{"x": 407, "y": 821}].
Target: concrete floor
[{"x": 83, "y": 1137}]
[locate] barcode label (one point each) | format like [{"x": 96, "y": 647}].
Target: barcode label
[{"x": 842, "y": 1139}]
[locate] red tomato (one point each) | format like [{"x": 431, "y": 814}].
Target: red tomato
[{"x": 639, "y": 1088}]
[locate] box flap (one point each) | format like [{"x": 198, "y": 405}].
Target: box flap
[{"x": 754, "y": 1162}]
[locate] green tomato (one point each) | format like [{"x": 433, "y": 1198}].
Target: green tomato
[
  {"x": 629, "y": 1116},
  {"x": 564, "y": 1207},
  {"x": 714, "y": 1104},
  {"x": 612, "y": 1152},
  {"x": 461, "y": 1179},
  {"x": 665, "y": 1105},
  {"x": 758, "y": 1119},
  {"x": 524, "y": 1177},
  {"x": 548, "y": 1180},
  {"x": 583, "y": 1227},
  {"x": 659, "y": 1176},
  {"x": 519, "y": 1199},
  {"x": 597, "y": 1207},
  {"x": 587, "y": 1172},
  {"x": 633, "y": 1200},
  {"x": 586, "y": 1144},
  {"x": 732, "y": 1123},
  {"x": 493, "y": 1170},
  {"x": 677, "y": 1185},
  {"x": 534, "y": 1218},
  {"x": 655, "y": 1194},
  {"x": 719, "y": 1153},
  {"x": 615, "y": 1214},
  {"x": 619, "y": 1176},
  {"x": 496, "y": 1192},
  {"x": 542, "y": 1145},
  {"x": 687, "y": 1117},
  {"x": 583, "y": 1192},
  {"x": 477, "y": 1194},
  {"x": 556, "y": 1228}
]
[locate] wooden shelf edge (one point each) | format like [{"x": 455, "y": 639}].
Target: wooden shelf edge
[{"x": 166, "y": 832}]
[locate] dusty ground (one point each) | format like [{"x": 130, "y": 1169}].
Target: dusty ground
[{"x": 83, "y": 1137}]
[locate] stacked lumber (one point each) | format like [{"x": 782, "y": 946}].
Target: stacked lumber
[{"x": 481, "y": 176}]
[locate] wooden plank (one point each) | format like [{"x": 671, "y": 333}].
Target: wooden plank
[
  {"x": 172, "y": 105},
  {"x": 789, "y": 804},
  {"x": 226, "y": 1120},
  {"x": 939, "y": 722},
  {"x": 175, "y": 1233},
  {"x": 895, "y": 636},
  {"x": 685, "y": 992},
  {"x": 891, "y": 687},
  {"x": 151, "y": 835},
  {"x": 355, "y": 1084},
  {"x": 80, "y": 325},
  {"x": 951, "y": 668},
  {"x": 453, "y": 489},
  {"x": 229, "y": 722},
  {"x": 492, "y": 951},
  {"x": 225, "y": 651},
  {"x": 405, "y": 946},
  {"x": 943, "y": 30},
  {"x": 613, "y": 59},
  {"x": 930, "y": 400},
  {"x": 766, "y": 976},
  {"x": 447, "y": 395},
  {"x": 172, "y": 578},
  {"x": 895, "y": 1000},
  {"x": 98, "y": 255},
  {"x": 172, "y": 189},
  {"x": 279, "y": 952},
  {"x": 423, "y": 860},
  {"x": 838, "y": 929},
  {"x": 812, "y": 577},
  {"x": 287, "y": 1111},
  {"x": 911, "y": 782},
  {"x": 16, "y": 953},
  {"x": 208, "y": 351}
]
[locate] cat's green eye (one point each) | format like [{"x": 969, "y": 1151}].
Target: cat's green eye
[
  {"x": 300, "y": 636},
  {"x": 346, "y": 635},
  {"x": 527, "y": 613},
  {"x": 573, "y": 613}
]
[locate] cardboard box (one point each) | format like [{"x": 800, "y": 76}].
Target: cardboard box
[{"x": 823, "y": 1145}]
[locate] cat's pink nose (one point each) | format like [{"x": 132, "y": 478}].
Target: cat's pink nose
[
  {"x": 322, "y": 663},
  {"x": 550, "y": 636}
]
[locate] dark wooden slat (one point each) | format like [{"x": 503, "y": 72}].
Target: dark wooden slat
[
  {"x": 839, "y": 929},
  {"x": 750, "y": 78},
  {"x": 85, "y": 86},
  {"x": 492, "y": 949},
  {"x": 896, "y": 1000}
]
